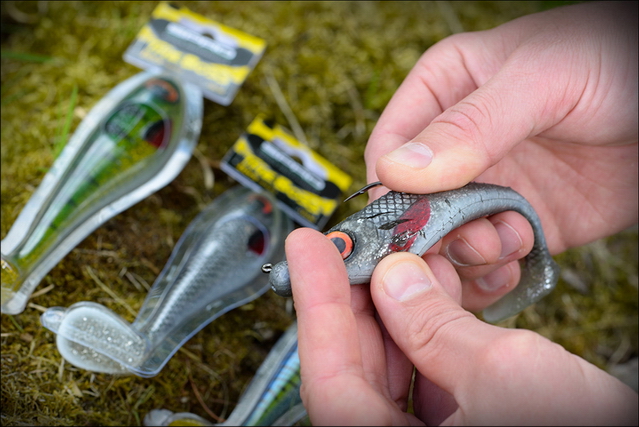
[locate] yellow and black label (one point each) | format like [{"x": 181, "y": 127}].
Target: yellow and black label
[
  {"x": 307, "y": 185},
  {"x": 213, "y": 56}
]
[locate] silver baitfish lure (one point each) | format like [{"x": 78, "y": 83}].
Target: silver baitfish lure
[
  {"x": 214, "y": 267},
  {"x": 272, "y": 398},
  {"x": 415, "y": 222},
  {"x": 134, "y": 141}
]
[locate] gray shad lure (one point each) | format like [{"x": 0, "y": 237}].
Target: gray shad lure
[
  {"x": 213, "y": 268},
  {"x": 398, "y": 222}
]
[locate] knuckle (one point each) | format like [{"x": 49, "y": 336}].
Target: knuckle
[
  {"x": 455, "y": 44},
  {"x": 427, "y": 326},
  {"x": 467, "y": 119},
  {"x": 470, "y": 123}
]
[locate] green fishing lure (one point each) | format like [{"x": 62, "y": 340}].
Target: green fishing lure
[{"x": 133, "y": 142}]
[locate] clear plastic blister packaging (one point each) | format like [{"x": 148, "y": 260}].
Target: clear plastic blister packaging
[
  {"x": 272, "y": 397},
  {"x": 134, "y": 141},
  {"x": 214, "y": 267}
]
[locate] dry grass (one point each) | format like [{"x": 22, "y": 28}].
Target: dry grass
[{"x": 337, "y": 64}]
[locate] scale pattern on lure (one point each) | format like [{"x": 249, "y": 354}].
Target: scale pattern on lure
[
  {"x": 415, "y": 222},
  {"x": 214, "y": 262},
  {"x": 274, "y": 392},
  {"x": 272, "y": 397},
  {"x": 133, "y": 142},
  {"x": 213, "y": 268}
]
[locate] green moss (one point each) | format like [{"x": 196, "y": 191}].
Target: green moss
[{"x": 337, "y": 65}]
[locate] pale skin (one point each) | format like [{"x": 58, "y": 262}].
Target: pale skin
[{"x": 546, "y": 104}]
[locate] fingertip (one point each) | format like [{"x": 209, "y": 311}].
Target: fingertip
[
  {"x": 412, "y": 154},
  {"x": 515, "y": 234},
  {"x": 452, "y": 165},
  {"x": 501, "y": 240},
  {"x": 300, "y": 236},
  {"x": 484, "y": 291},
  {"x": 472, "y": 244},
  {"x": 309, "y": 247},
  {"x": 405, "y": 277},
  {"x": 477, "y": 247},
  {"x": 308, "y": 253},
  {"x": 499, "y": 281},
  {"x": 422, "y": 317}
]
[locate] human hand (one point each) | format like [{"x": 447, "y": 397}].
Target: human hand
[
  {"x": 545, "y": 104},
  {"x": 468, "y": 372}
]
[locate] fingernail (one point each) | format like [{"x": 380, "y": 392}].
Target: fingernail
[
  {"x": 412, "y": 154},
  {"x": 461, "y": 253},
  {"x": 404, "y": 280},
  {"x": 510, "y": 240},
  {"x": 495, "y": 280}
]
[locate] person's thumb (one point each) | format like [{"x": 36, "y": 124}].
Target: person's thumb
[
  {"x": 495, "y": 375},
  {"x": 479, "y": 130},
  {"x": 419, "y": 309}
]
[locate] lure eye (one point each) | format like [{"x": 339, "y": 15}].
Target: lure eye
[
  {"x": 163, "y": 89},
  {"x": 267, "y": 207},
  {"x": 343, "y": 242}
]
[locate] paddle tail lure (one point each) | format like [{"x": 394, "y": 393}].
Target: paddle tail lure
[
  {"x": 415, "y": 222},
  {"x": 214, "y": 267},
  {"x": 271, "y": 399},
  {"x": 133, "y": 142}
]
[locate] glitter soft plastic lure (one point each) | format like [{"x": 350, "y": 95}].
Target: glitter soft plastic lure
[
  {"x": 415, "y": 222},
  {"x": 272, "y": 398},
  {"x": 214, "y": 267},
  {"x": 133, "y": 142}
]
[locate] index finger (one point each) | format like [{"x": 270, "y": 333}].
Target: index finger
[{"x": 322, "y": 296}]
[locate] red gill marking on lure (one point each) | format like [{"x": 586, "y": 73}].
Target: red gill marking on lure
[
  {"x": 411, "y": 221},
  {"x": 257, "y": 242},
  {"x": 157, "y": 132}
]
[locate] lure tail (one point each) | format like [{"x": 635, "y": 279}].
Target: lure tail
[
  {"x": 94, "y": 338},
  {"x": 214, "y": 268}
]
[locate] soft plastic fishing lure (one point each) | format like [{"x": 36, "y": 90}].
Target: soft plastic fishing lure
[
  {"x": 214, "y": 268},
  {"x": 132, "y": 143},
  {"x": 415, "y": 222},
  {"x": 272, "y": 398}
]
